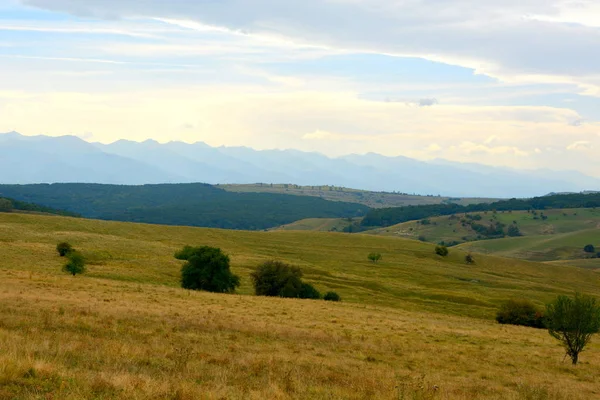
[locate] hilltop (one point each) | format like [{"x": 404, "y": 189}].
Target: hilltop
[{"x": 406, "y": 324}]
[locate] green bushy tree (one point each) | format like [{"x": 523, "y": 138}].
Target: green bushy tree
[
  {"x": 64, "y": 248},
  {"x": 589, "y": 248},
  {"x": 206, "y": 268},
  {"x": 520, "y": 312},
  {"x": 573, "y": 321},
  {"x": 332, "y": 296},
  {"x": 278, "y": 279},
  {"x": 5, "y": 205},
  {"x": 441, "y": 251},
  {"x": 75, "y": 264},
  {"x": 374, "y": 257}
]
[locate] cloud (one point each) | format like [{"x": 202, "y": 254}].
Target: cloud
[
  {"x": 427, "y": 102},
  {"x": 549, "y": 41},
  {"x": 580, "y": 145}
]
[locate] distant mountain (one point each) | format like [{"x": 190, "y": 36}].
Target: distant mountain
[{"x": 43, "y": 159}]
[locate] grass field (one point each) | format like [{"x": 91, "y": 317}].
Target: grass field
[
  {"x": 414, "y": 326},
  {"x": 317, "y": 225},
  {"x": 561, "y": 235},
  {"x": 371, "y": 199}
]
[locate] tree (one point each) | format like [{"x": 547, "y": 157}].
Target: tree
[
  {"x": 308, "y": 291},
  {"x": 514, "y": 231},
  {"x": 64, "y": 248},
  {"x": 573, "y": 321},
  {"x": 276, "y": 278},
  {"x": 469, "y": 259},
  {"x": 589, "y": 248},
  {"x": 207, "y": 268},
  {"x": 332, "y": 296},
  {"x": 441, "y": 251},
  {"x": 520, "y": 312},
  {"x": 5, "y": 205},
  {"x": 75, "y": 264},
  {"x": 374, "y": 257}
]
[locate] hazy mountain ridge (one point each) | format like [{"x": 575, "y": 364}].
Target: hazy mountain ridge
[{"x": 43, "y": 159}]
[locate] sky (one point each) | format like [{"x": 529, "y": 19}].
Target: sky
[{"x": 507, "y": 83}]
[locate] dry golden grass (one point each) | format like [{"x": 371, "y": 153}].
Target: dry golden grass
[{"x": 125, "y": 331}]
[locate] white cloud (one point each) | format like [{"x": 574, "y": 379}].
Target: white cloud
[
  {"x": 580, "y": 145},
  {"x": 514, "y": 40}
]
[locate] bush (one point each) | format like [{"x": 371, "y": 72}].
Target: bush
[
  {"x": 64, "y": 248},
  {"x": 332, "y": 296},
  {"x": 469, "y": 259},
  {"x": 573, "y": 321},
  {"x": 589, "y": 248},
  {"x": 521, "y": 312},
  {"x": 278, "y": 279},
  {"x": 441, "y": 251},
  {"x": 207, "y": 268},
  {"x": 374, "y": 257},
  {"x": 75, "y": 264}
]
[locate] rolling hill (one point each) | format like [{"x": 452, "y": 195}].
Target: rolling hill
[
  {"x": 181, "y": 204},
  {"x": 414, "y": 325}
]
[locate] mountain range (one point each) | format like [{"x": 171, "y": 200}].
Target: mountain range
[{"x": 45, "y": 159}]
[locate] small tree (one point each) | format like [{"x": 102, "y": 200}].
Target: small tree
[
  {"x": 374, "y": 257},
  {"x": 207, "y": 268},
  {"x": 75, "y": 264},
  {"x": 441, "y": 251},
  {"x": 573, "y": 321},
  {"x": 332, "y": 296},
  {"x": 514, "y": 231},
  {"x": 520, "y": 312},
  {"x": 64, "y": 248},
  {"x": 469, "y": 259},
  {"x": 278, "y": 279},
  {"x": 589, "y": 248},
  {"x": 308, "y": 291},
  {"x": 5, "y": 205}
]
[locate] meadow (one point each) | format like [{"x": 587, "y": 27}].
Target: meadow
[{"x": 413, "y": 326}]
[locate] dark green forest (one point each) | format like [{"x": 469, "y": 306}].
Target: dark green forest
[
  {"x": 391, "y": 216},
  {"x": 181, "y": 204},
  {"x": 7, "y": 205}
]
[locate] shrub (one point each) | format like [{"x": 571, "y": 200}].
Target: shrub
[
  {"x": 207, "y": 268},
  {"x": 278, "y": 279},
  {"x": 75, "y": 264},
  {"x": 374, "y": 257},
  {"x": 64, "y": 248},
  {"x": 441, "y": 251},
  {"x": 332, "y": 296},
  {"x": 573, "y": 321},
  {"x": 308, "y": 291},
  {"x": 589, "y": 248},
  {"x": 520, "y": 312},
  {"x": 469, "y": 259}
]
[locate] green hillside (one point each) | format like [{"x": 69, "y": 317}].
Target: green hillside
[
  {"x": 182, "y": 204},
  {"x": 320, "y": 224},
  {"x": 414, "y": 325},
  {"x": 365, "y": 197}
]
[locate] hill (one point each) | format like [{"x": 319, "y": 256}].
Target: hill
[
  {"x": 407, "y": 324},
  {"x": 319, "y": 225},
  {"x": 459, "y": 228},
  {"x": 181, "y": 204},
  {"x": 41, "y": 159},
  {"x": 385, "y": 217},
  {"x": 365, "y": 197},
  {"x": 12, "y": 205}
]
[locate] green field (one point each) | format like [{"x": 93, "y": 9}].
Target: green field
[
  {"x": 318, "y": 225},
  {"x": 414, "y": 325},
  {"x": 368, "y": 198},
  {"x": 560, "y": 235}
]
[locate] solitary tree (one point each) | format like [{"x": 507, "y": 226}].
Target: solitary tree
[
  {"x": 374, "y": 257},
  {"x": 64, "y": 248},
  {"x": 589, "y": 248},
  {"x": 441, "y": 251},
  {"x": 75, "y": 264},
  {"x": 5, "y": 205},
  {"x": 469, "y": 259},
  {"x": 206, "y": 268},
  {"x": 573, "y": 321}
]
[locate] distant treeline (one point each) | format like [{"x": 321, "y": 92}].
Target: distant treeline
[
  {"x": 392, "y": 216},
  {"x": 182, "y": 204},
  {"x": 9, "y": 204}
]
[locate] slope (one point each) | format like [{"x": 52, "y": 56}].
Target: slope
[{"x": 404, "y": 330}]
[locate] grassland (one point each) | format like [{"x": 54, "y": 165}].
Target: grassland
[
  {"x": 560, "y": 235},
  {"x": 318, "y": 225},
  {"x": 334, "y": 193},
  {"x": 412, "y": 326}
]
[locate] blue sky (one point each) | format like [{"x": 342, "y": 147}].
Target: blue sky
[{"x": 513, "y": 84}]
